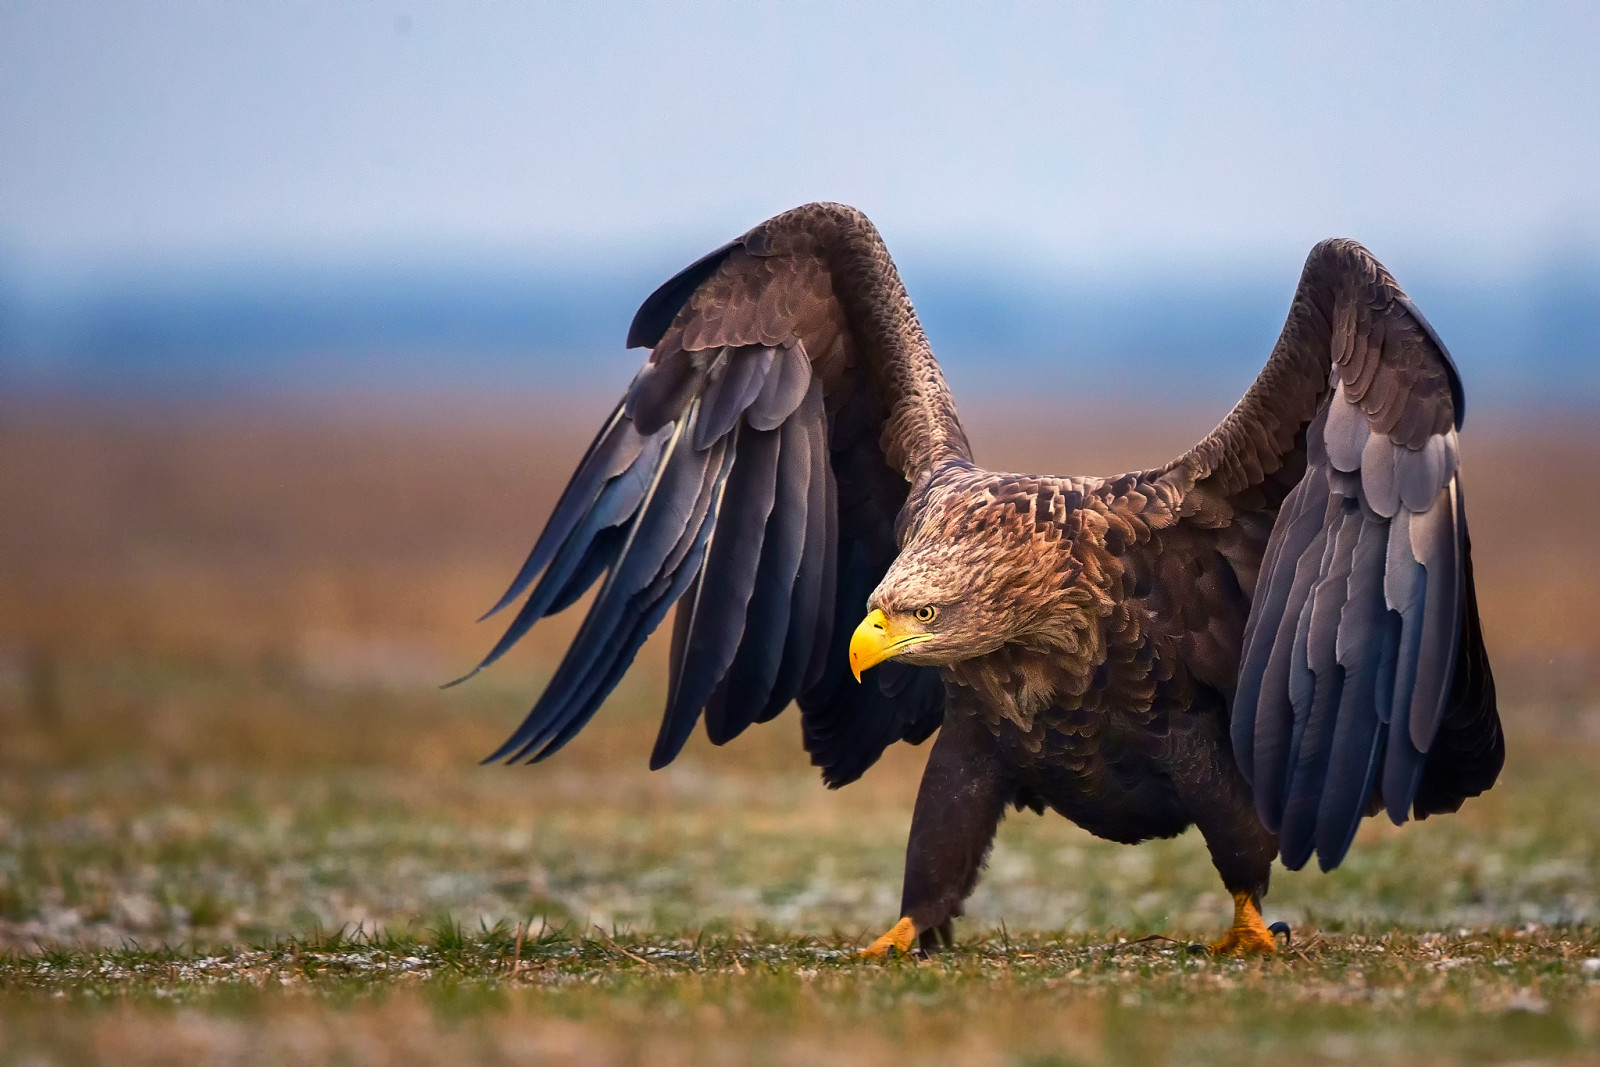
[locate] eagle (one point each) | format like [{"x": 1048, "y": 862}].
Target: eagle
[{"x": 1270, "y": 637}]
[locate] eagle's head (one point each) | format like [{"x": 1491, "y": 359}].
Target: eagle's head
[{"x": 978, "y": 569}]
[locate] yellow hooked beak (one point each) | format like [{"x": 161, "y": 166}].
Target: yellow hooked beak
[{"x": 876, "y": 640}]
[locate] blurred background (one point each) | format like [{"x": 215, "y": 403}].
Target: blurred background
[{"x": 306, "y": 310}]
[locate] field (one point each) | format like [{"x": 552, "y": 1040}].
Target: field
[{"x": 239, "y": 823}]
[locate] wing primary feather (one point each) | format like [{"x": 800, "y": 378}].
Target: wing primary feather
[
  {"x": 663, "y": 515},
  {"x": 602, "y": 554},
  {"x": 649, "y": 616},
  {"x": 1319, "y": 641},
  {"x": 680, "y": 631},
  {"x": 1468, "y": 751},
  {"x": 1355, "y": 751},
  {"x": 829, "y": 705},
  {"x": 594, "y": 653},
  {"x": 816, "y": 697},
  {"x": 1265, "y": 674},
  {"x": 1406, "y": 592},
  {"x": 683, "y": 627},
  {"x": 733, "y": 569},
  {"x": 1436, "y": 541},
  {"x": 827, "y": 580},
  {"x": 810, "y": 617},
  {"x": 739, "y": 516},
  {"x": 1302, "y": 679},
  {"x": 750, "y": 683},
  {"x": 1297, "y": 525},
  {"x": 806, "y": 597},
  {"x": 686, "y": 465},
  {"x": 613, "y": 441},
  {"x": 581, "y": 552},
  {"x": 570, "y": 707},
  {"x": 1275, "y": 720}
]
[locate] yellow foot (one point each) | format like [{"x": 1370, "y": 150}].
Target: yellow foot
[
  {"x": 899, "y": 938},
  {"x": 1249, "y": 935}
]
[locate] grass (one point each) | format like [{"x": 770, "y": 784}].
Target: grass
[
  {"x": 238, "y": 823},
  {"x": 1528, "y": 995},
  {"x": 1032, "y": 999}
]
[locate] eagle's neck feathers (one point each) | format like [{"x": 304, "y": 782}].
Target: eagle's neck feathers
[{"x": 1063, "y": 540}]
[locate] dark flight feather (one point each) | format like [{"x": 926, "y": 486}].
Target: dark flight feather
[
  {"x": 1355, "y": 747},
  {"x": 600, "y": 557},
  {"x": 1435, "y": 536},
  {"x": 649, "y": 608},
  {"x": 717, "y": 619},
  {"x": 1300, "y": 519},
  {"x": 584, "y": 546},
  {"x": 809, "y": 624},
  {"x": 749, "y": 684},
  {"x": 825, "y": 498},
  {"x": 1469, "y": 749},
  {"x": 676, "y": 497},
  {"x": 1406, "y": 590},
  {"x": 1291, "y": 581},
  {"x": 1320, "y": 708},
  {"x": 614, "y": 450}
]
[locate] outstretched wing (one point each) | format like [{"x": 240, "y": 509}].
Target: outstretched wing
[
  {"x": 1363, "y": 679},
  {"x": 751, "y": 476}
]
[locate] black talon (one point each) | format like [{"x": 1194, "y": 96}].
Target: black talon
[{"x": 1281, "y": 927}]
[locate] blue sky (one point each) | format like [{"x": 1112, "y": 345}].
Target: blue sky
[{"x": 1083, "y": 137}]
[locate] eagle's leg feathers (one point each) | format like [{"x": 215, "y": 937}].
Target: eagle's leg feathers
[
  {"x": 1249, "y": 935},
  {"x": 964, "y": 790},
  {"x": 1216, "y": 795}
]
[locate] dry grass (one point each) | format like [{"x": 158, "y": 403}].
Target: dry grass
[{"x": 219, "y": 634}]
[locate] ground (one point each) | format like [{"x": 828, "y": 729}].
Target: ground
[{"x": 238, "y": 823}]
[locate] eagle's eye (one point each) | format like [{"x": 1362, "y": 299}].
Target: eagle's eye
[{"x": 925, "y": 614}]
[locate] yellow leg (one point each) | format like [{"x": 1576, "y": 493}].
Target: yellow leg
[
  {"x": 1249, "y": 935},
  {"x": 898, "y": 939}
]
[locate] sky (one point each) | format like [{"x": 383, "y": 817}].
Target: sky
[{"x": 1078, "y": 137}]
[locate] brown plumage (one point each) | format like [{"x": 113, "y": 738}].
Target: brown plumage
[{"x": 1269, "y": 637}]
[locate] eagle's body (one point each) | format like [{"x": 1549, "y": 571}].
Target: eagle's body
[{"x": 1270, "y": 637}]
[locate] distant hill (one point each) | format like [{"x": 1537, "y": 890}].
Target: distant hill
[{"x": 239, "y": 330}]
